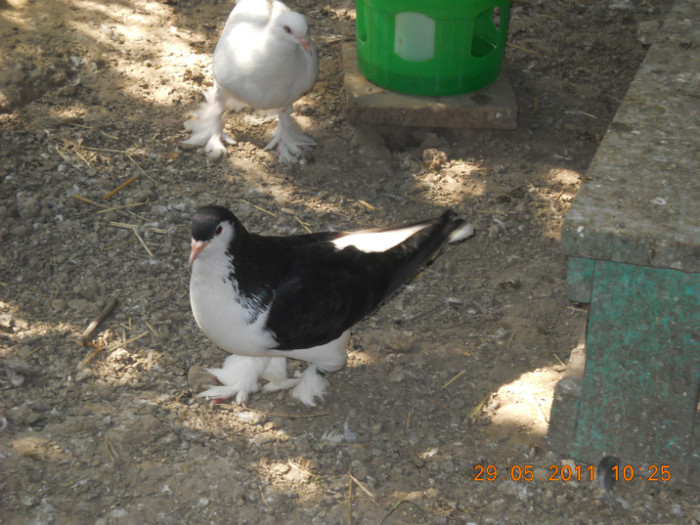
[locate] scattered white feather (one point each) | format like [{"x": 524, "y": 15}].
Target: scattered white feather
[
  {"x": 332, "y": 436},
  {"x": 349, "y": 435}
]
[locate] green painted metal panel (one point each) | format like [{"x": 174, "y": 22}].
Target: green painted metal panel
[{"x": 641, "y": 380}]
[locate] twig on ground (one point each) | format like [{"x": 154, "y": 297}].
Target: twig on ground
[
  {"x": 150, "y": 327},
  {"x": 457, "y": 376},
  {"x": 132, "y": 339},
  {"x": 103, "y": 150},
  {"x": 475, "y": 411},
  {"x": 90, "y": 330},
  {"x": 87, "y": 201},
  {"x": 258, "y": 207},
  {"x": 361, "y": 485},
  {"x": 398, "y": 503},
  {"x": 125, "y": 206},
  {"x": 143, "y": 243},
  {"x": 134, "y": 229},
  {"x": 112, "y": 451},
  {"x": 120, "y": 187},
  {"x": 143, "y": 172},
  {"x": 96, "y": 349},
  {"x": 303, "y": 224},
  {"x": 510, "y": 44},
  {"x": 31, "y": 353}
]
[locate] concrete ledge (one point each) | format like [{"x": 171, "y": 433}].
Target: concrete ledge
[
  {"x": 492, "y": 107},
  {"x": 640, "y": 202}
]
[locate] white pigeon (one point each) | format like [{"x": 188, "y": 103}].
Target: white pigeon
[
  {"x": 265, "y": 298},
  {"x": 264, "y": 59}
]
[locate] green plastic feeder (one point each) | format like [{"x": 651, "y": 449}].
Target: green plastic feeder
[{"x": 432, "y": 48}]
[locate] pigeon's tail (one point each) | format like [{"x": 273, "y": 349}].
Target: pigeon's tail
[
  {"x": 207, "y": 127},
  {"x": 421, "y": 247}
]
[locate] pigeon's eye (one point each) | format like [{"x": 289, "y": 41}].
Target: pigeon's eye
[
  {"x": 219, "y": 229},
  {"x": 287, "y": 30}
]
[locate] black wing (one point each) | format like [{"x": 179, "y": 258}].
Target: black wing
[
  {"x": 325, "y": 293},
  {"x": 317, "y": 292}
]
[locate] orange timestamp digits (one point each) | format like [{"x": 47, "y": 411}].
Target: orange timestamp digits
[
  {"x": 652, "y": 473},
  {"x": 515, "y": 473},
  {"x": 568, "y": 473},
  {"x": 527, "y": 473}
]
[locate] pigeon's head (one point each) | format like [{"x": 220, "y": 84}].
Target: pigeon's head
[
  {"x": 213, "y": 228},
  {"x": 294, "y": 29}
]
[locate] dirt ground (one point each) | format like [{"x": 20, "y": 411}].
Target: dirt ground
[{"x": 452, "y": 375}]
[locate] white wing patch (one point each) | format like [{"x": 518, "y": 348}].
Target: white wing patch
[{"x": 380, "y": 241}]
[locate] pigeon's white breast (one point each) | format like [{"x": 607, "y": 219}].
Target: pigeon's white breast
[
  {"x": 220, "y": 316},
  {"x": 253, "y": 67}
]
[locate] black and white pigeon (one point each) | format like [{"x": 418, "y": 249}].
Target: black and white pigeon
[
  {"x": 264, "y": 59},
  {"x": 265, "y": 298}
]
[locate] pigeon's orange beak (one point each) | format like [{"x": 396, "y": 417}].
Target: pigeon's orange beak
[
  {"x": 304, "y": 42},
  {"x": 196, "y": 248}
]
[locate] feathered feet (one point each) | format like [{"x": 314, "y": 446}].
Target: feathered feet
[
  {"x": 207, "y": 126},
  {"x": 239, "y": 377},
  {"x": 310, "y": 385},
  {"x": 289, "y": 141}
]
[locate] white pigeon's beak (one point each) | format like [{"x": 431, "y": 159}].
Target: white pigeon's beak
[
  {"x": 196, "y": 248},
  {"x": 304, "y": 42}
]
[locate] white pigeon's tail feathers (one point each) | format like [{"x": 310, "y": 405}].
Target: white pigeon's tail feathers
[{"x": 206, "y": 125}]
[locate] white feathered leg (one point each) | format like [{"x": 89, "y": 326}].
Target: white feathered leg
[
  {"x": 325, "y": 358},
  {"x": 276, "y": 374},
  {"x": 207, "y": 125},
  {"x": 238, "y": 376},
  {"x": 289, "y": 141}
]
